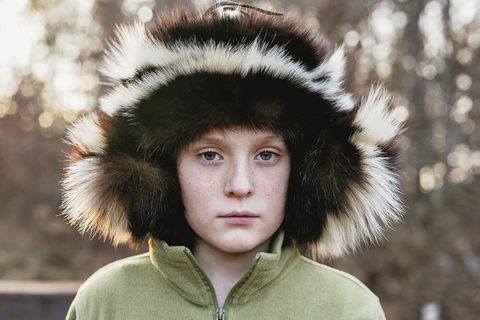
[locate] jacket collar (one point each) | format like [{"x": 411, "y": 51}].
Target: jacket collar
[{"x": 180, "y": 269}]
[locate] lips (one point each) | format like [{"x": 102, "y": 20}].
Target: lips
[
  {"x": 239, "y": 217},
  {"x": 239, "y": 214}
]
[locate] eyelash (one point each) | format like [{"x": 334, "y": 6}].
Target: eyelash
[{"x": 273, "y": 156}]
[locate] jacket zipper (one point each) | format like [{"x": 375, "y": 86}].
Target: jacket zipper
[{"x": 220, "y": 312}]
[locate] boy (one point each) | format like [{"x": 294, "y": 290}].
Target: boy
[{"x": 230, "y": 143}]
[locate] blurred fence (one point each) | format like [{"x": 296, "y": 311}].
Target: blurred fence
[{"x": 36, "y": 300}]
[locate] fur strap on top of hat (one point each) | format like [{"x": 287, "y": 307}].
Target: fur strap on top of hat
[{"x": 258, "y": 71}]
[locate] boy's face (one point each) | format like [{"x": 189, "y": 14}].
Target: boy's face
[{"x": 234, "y": 186}]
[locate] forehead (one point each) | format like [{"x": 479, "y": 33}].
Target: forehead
[{"x": 246, "y": 134}]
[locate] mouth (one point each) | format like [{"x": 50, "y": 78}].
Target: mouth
[
  {"x": 239, "y": 217},
  {"x": 240, "y": 214}
]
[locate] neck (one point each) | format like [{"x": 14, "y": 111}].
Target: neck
[{"x": 225, "y": 269}]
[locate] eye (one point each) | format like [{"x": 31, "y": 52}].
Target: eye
[
  {"x": 266, "y": 155},
  {"x": 209, "y": 155}
]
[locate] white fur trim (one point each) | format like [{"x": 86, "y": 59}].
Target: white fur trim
[
  {"x": 332, "y": 90},
  {"x": 375, "y": 119},
  {"x": 130, "y": 47},
  {"x": 86, "y": 135}
]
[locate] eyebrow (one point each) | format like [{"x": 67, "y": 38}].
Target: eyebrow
[
  {"x": 270, "y": 138},
  {"x": 266, "y": 139}
]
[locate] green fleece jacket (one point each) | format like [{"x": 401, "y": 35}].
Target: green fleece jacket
[{"x": 168, "y": 283}]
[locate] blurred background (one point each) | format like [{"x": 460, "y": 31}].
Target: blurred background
[{"x": 425, "y": 52}]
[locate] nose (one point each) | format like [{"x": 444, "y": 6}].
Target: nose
[{"x": 240, "y": 178}]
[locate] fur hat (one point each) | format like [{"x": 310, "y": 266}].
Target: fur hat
[{"x": 190, "y": 72}]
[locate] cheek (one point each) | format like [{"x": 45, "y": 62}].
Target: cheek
[
  {"x": 275, "y": 189},
  {"x": 278, "y": 182},
  {"x": 197, "y": 190}
]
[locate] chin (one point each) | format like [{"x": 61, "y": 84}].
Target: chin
[
  {"x": 242, "y": 246},
  {"x": 237, "y": 249}
]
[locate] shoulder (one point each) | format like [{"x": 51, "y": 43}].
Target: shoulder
[
  {"x": 337, "y": 291},
  {"x": 330, "y": 276},
  {"x": 118, "y": 273},
  {"x": 112, "y": 285}
]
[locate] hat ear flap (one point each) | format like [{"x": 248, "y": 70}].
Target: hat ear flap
[
  {"x": 318, "y": 184},
  {"x": 346, "y": 190},
  {"x": 84, "y": 205},
  {"x": 156, "y": 208},
  {"x": 148, "y": 194},
  {"x": 116, "y": 194}
]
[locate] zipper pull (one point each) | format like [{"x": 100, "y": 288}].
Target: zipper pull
[{"x": 220, "y": 314}]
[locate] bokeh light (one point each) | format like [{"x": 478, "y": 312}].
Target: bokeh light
[{"x": 425, "y": 52}]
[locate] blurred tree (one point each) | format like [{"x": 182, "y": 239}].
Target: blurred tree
[{"x": 426, "y": 53}]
